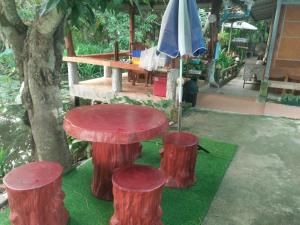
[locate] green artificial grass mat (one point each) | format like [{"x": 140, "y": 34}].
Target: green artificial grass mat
[{"x": 180, "y": 206}]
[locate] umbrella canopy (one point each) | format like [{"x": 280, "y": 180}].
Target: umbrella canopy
[
  {"x": 180, "y": 32},
  {"x": 240, "y": 25}
]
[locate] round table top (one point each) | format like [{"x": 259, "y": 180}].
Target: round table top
[
  {"x": 138, "y": 178},
  {"x": 115, "y": 123},
  {"x": 33, "y": 175},
  {"x": 183, "y": 139}
]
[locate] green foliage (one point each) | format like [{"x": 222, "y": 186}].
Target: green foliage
[
  {"x": 290, "y": 99},
  {"x": 145, "y": 24},
  {"x": 165, "y": 106},
  {"x": 87, "y": 71},
  {"x": 3, "y": 161},
  {"x": 7, "y": 62},
  {"x": 10, "y": 159},
  {"x": 262, "y": 33},
  {"x": 203, "y": 16},
  {"x": 224, "y": 61},
  {"x": 110, "y": 26},
  {"x": 224, "y": 38},
  {"x": 49, "y": 5},
  {"x": 113, "y": 26},
  {"x": 9, "y": 84},
  {"x": 83, "y": 11},
  {"x": 80, "y": 150}
]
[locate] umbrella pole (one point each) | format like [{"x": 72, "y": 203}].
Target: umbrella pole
[{"x": 180, "y": 94}]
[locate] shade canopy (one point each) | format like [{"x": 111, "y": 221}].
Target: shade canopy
[
  {"x": 240, "y": 25},
  {"x": 180, "y": 32}
]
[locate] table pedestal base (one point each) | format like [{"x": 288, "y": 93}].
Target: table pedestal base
[{"x": 107, "y": 158}]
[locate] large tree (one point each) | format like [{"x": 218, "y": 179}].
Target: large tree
[{"x": 38, "y": 47}]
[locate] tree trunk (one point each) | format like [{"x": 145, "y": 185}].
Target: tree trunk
[
  {"x": 38, "y": 52},
  {"x": 41, "y": 96}
]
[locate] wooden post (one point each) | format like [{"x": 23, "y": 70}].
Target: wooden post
[
  {"x": 216, "y": 7},
  {"x": 172, "y": 77},
  {"x": 73, "y": 77},
  {"x": 116, "y": 80},
  {"x": 69, "y": 44},
  {"x": 230, "y": 38},
  {"x": 116, "y": 46},
  {"x": 131, "y": 27},
  {"x": 107, "y": 71},
  {"x": 273, "y": 40}
]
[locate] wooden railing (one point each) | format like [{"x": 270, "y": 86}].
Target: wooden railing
[{"x": 228, "y": 74}]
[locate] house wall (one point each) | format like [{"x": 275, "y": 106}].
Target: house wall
[{"x": 286, "y": 58}]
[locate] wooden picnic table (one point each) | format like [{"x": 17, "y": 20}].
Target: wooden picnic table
[{"x": 115, "y": 131}]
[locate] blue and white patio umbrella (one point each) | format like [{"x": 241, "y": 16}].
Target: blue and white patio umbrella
[{"x": 181, "y": 34}]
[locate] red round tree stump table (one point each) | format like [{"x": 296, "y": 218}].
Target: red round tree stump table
[
  {"x": 115, "y": 131},
  {"x": 137, "y": 193},
  {"x": 34, "y": 194},
  {"x": 179, "y": 159}
]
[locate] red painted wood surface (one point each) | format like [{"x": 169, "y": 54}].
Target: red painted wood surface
[
  {"x": 115, "y": 123},
  {"x": 137, "y": 193},
  {"x": 34, "y": 194},
  {"x": 115, "y": 131},
  {"x": 106, "y": 158},
  {"x": 179, "y": 159}
]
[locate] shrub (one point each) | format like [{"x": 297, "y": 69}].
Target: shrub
[{"x": 289, "y": 99}]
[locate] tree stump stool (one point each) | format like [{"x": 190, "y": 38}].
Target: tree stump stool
[
  {"x": 137, "y": 193},
  {"x": 179, "y": 159},
  {"x": 35, "y": 196}
]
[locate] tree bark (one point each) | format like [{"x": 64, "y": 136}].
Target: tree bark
[
  {"x": 172, "y": 77},
  {"x": 38, "y": 55},
  {"x": 41, "y": 94}
]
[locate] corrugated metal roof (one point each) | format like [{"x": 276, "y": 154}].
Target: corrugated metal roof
[{"x": 263, "y": 9}]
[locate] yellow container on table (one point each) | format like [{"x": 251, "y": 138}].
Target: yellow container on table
[{"x": 135, "y": 60}]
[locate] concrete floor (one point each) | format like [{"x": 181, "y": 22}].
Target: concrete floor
[
  {"x": 235, "y": 88},
  {"x": 261, "y": 186}
]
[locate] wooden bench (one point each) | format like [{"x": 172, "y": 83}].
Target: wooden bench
[{"x": 284, "y": 85}]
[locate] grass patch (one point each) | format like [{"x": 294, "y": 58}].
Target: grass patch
[{"x": 180, "y": 206}]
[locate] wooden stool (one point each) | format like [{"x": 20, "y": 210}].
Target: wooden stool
[
  {"x": 137, "y": 193},
  {"x": 179, "y": 159},
  {"x": 34, "y": 194}
]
